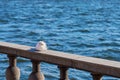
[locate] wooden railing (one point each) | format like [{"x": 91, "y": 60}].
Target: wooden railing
[{"x": 97, "y": 67}]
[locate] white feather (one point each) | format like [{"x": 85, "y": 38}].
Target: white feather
[{"x": 41, "y": 45}]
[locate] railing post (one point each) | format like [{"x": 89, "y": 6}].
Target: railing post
[
  {"x": 12, "y": 72},
  {"x": 36, "y": 73},
  {"x": 96, "y": 76},
  {"x": 63, "y": 73}
]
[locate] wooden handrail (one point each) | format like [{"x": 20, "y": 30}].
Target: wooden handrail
[{"x": 93, "y": 65}]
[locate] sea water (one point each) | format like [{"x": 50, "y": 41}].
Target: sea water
[{"x": 82, "y": 27}]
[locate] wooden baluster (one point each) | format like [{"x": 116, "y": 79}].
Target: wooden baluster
[
  {"x": 12, "y": 72},
  {"x": 36, "y": 73},
  {"x": 63, "y": 73},
  {"x": 96, "y": 76}
]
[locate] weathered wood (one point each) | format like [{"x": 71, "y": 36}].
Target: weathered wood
[
  {"x": 12, "y": 72},
  {"x": 63, "y": 73},
  {"x": 36, "y": 73},
  {"x": 91, "y": 64}
]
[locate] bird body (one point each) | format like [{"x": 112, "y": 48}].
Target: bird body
[{"x": 41, "y": 45}]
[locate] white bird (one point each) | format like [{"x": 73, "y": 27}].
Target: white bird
[{"x": 41, "y": 45}]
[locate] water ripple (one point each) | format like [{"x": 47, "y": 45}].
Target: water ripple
[{"x": 90, "y": 28}]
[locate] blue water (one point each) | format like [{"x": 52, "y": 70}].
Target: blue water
[{"x": 82, "y": 27}]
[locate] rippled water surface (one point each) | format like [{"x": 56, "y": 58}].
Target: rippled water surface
[{"x": 82, "y": 27}]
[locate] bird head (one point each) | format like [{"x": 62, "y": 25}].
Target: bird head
[{"x": 41, "y": 45}]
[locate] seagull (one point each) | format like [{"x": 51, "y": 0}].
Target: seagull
[{"x": 41, "y": 45}]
